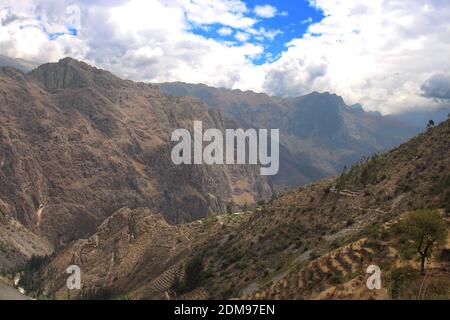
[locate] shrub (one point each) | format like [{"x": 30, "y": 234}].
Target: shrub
[
  {"x": 445, "y": 255},
  {"x": 30, "y": 281},
  {"x": 400, "y": 278},
  {"x": 336, "y": 279},
  {"x": 408, "y": 253},
  {"x": 437, "y": 289},
  {"x": 96, "y": 294}
]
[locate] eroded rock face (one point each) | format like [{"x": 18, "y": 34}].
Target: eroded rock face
[
  {"x": 78, "y": 143},
  {"x": 319, "y": 133}
]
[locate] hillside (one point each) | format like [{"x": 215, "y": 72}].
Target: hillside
[
  {"x": 312, "y": 243},
  {"x": 19, "y": 64},
  {"x": 78, "y": 144},
  {"x": 320, "y": 134}
]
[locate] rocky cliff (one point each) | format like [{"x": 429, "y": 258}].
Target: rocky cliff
[{"x": 78, "y": 144}]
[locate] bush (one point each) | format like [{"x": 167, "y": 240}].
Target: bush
[
  {"x": 408, "y": 253},
  {"x": 336, "y": 279},
  {"x": 437, "y": 289},
  {"x": 194, "y": 270},
  {"x": 445, "y": 255},
  {"x": 96, "y": 294},
  {"x": 193, "y": 274},
  {"x": 30, "y": 280},
  {"x": 400, "y": 279},
  {"x": 350, "y": 222},
  {"x": 177, "y": 286}
]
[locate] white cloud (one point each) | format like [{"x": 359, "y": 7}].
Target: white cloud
[
  {"x": 224, "y": 31},
  {"x": 141, "y": 40},
  {"x": 262, "y": 33},
  {"x": 378, "y": 53},
  {"x": 265, "y": 11},
  {"x": 229, "y": 13},
  {"x": 307, "y": 21},
  {"x": 242, "y": 36}
]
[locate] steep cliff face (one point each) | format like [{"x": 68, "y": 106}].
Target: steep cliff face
[
  {"x": 78, "y": 143},
  {"x": 319, "y": 133}
]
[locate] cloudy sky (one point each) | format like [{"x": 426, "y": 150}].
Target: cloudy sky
[{"x": 387, "y": 55}]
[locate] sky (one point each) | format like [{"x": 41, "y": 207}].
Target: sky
[{"x": 388, "y": 55}]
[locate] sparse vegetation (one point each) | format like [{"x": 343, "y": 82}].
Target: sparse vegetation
[
  {"x": 406, "y": 284},
  {"x": 194, "y": 273},
  {"x": 427, "y": 229},
  {"x": 96, "y": 294},
  {"x": 400, "y": 279},
  {"x": 30, "y": 281},
  {"x": 336, "y": 279}
]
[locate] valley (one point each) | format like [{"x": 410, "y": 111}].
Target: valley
[
  {"x": 87, "y": 179},
  {"x": 315, "y": 242}
]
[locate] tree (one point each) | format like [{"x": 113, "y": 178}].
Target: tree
[
  {"x": 177, "y": 285},
  {"x": 193, "y": 273},
  {"x": 430, "y": 124},
  {"x": 427, "y": 229},
  {"x": 229, "y": 208}
]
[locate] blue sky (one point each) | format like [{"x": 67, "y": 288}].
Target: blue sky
[
  {"x": 300, "y": 16},
  {"x": 292, "y": 19}
]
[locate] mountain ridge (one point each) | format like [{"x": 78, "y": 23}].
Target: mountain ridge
[
  {"x": 79, "y": 143},
  {"x": 320, "y": 134}
]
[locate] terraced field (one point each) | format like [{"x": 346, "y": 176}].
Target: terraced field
[{"x": 332, "y": 269}]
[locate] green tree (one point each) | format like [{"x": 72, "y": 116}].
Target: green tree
[
  {"x": 177, "y": 285},
  {"x": 427, "y": 229},
  {"x": 194, "y": 273}
]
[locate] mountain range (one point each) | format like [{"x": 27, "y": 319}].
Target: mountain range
[
  {"x": 78, "y": 144},
  {"x": 87, "y": 180},
  {"x": 319, "y": 133}
]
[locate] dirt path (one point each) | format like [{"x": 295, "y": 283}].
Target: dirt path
[{"x": 188, "y": 240}]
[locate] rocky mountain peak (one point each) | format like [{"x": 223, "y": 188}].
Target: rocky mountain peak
[
  {"x": 71, "y": 73},
  {"x": 327, "y": 99}
]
